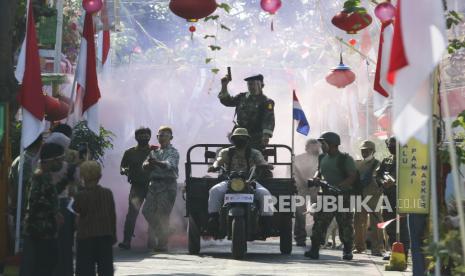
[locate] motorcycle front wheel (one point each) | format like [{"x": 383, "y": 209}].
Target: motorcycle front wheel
[{"x": 239, "y": 239}]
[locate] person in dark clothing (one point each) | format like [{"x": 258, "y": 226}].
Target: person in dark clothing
[
  {"x": 42, "y": 218},
  {"x": 131, "y": 166},
  {"x": 96, "y": 227},
  {"x": 386, "y": 178}
]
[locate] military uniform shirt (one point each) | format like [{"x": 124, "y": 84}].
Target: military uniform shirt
[
  {"x": 331, "y": 171},
  {"x": 254, "y": 112},
  {"x": 42, "y": 207},
  {"x": 238, "y": 162}
]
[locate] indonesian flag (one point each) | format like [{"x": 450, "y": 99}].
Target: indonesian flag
[
  {"x": 418, "y": 44},
  {"x": 381, "y": 85},
  {"x": 88, "y": 92},
  {"x": 30, "y": 96}
]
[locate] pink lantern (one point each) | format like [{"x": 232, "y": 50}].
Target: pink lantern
[
  {"x": 341, "y": 75},
  {"x": 385, "y": 11},
  {"x": 92, "y": 6},
  {"x": 271, "y": 6}
]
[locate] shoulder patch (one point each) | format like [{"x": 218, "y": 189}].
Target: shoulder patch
[{"x": 269, "y": 105}]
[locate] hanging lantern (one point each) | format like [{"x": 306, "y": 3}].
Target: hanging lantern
[
  {"x": 55, "y": 109},
  {"x": 193, "y": 10},
  {"x": 92, "y": 6},
  {"x": 341, "y": 75},
  {"x": 385, "y": 11},
  {"x": 271, "y": 6},
  {"x": 352, "y": 18}
]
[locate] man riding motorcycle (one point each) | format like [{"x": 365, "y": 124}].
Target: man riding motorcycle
[{"x": 238, "y": 158}]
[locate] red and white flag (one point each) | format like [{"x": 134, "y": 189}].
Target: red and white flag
[
  {"x": 381, "y": 85},
  {"x": 30, "y": 96},
  {"x": 88, "y": 92},
  {"x": 418, "y": 44}
]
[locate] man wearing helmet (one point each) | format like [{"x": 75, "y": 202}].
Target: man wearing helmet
[
  {"x": 239, "y": 158},
  {"x": 254, "y": 111},
  {"x": 338, "y": 169}
]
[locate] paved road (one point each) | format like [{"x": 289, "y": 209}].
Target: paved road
[{"x": 263, "y": 258}]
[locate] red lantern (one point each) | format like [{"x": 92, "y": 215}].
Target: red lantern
[
  {"x": 55, "y": 110},
  {"x": 270, "y": 6},
  {"x": 193, "y": 10},
  {"x": 92, "y": 6},
  {"x": 341, "y": 75},
  {"x": 352, "y": 42},
  {"x": 352, "y": 18}
]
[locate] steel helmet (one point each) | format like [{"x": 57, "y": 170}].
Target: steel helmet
[{"x": 330, "y": 138}]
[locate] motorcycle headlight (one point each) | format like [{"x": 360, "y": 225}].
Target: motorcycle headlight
[{"x": 237, "y": 184}]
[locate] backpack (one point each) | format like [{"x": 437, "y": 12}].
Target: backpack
[{"x": 357, "y": 186}]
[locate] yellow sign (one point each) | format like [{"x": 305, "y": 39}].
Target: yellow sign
[{"x": 413, "y": 178}]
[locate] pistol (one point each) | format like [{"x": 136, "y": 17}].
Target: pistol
[
  {"x": 229, "y": 74},
  {"x": 389, "y": 177}
]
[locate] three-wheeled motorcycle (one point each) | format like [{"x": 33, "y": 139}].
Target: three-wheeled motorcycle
[{"x": 239, "y": 216}]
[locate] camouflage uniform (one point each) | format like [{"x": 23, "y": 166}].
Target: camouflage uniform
[
  {"x": 254, "y": 112},
  {"x": 161, "y": 195},
  {"x": 238, "y": 164},
  {"x": 388, "y": 166},
  {"x": 333, "y": 175},
  {"x": 139, "y": 180},
  {"x": 40, "y": 226}
]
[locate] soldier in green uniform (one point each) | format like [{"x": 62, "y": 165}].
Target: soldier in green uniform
[
  {"x": 339, "y": 170},
  {"x": 162, "y": 165},
  {"x": 131, "y": 166},
  {"x": 386, "y": 178},
  {"x": 254, "y": 111}
]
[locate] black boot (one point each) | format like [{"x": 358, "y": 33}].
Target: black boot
[
  {"x": 314, "y": 252},
  {"x": 347, "y": 253},
  {"x": 213, "y": 223}
]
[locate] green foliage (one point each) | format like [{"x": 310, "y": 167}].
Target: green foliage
[
  {"x": 211, "y": 17},
  {"x": 354, "y": 6},
  {"x": 225, "y": 7},
  {"x": 459, "y": 139},
  {"x": 453, "y": 18},
  {"x": 214, "y": 47},
  {"x": 97, "y": 145},
  {"x": 449, "y": 251},
  {"x": 225, "y": 27}
]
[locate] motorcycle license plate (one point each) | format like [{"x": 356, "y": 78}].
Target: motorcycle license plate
[{"x": 238, "y": 198}]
